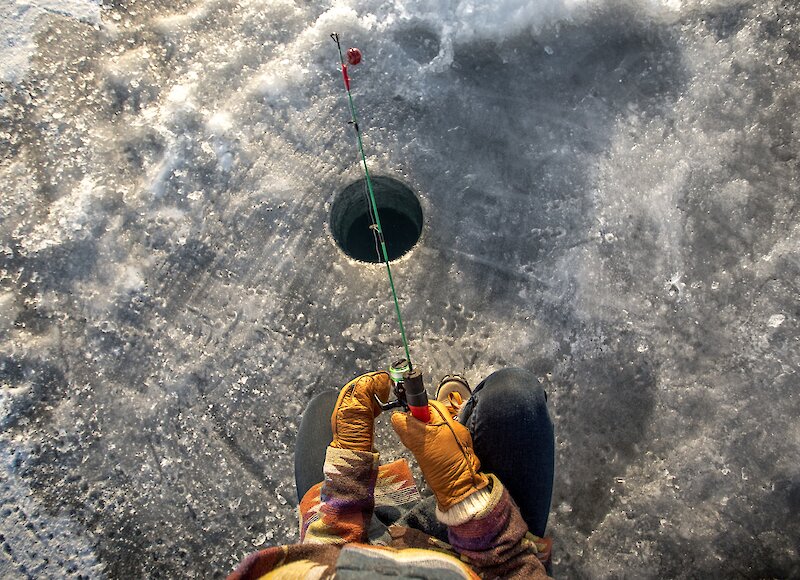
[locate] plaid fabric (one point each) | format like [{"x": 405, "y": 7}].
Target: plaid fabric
[
  {"x": 335, "y": 519},
  {"x": 395, "y": 486},
  {"x": 347, "y": 498},
  {"x": 338, "y": 510}
]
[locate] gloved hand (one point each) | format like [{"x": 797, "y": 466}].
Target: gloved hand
[
  {"x": 353, "y": 418},
  {"x": 444, "y": 452}
]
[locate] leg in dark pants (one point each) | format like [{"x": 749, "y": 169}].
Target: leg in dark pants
[
  {"x": 513, "y": 437},
  {"x": 313, "y": 438}
]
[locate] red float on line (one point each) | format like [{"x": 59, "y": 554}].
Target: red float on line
[{"x": 353, "y": 56}]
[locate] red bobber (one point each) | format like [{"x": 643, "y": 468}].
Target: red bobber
[{"x": 353, "y": 56}]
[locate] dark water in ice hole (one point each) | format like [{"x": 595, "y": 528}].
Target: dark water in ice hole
[{"x": 399, "y": 232}]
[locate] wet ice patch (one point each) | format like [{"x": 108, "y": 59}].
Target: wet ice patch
[
  {"x": 18, "y": 22},
  {"x": 448, "y": 24}
]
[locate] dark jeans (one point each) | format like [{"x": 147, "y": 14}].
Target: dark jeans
[{"x": 511, "y": 431}]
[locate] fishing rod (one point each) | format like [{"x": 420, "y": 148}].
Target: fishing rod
[{"x": 409, "y": 389}]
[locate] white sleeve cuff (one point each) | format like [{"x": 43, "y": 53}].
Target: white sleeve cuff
[{"x": 467, "y": 509}]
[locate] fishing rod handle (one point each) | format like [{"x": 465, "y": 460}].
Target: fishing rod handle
[{"x": 416, "y": 397}]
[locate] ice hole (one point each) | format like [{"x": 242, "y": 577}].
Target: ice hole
[{"x": 398, "y": 209}]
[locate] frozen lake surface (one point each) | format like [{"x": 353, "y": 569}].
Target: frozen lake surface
[{"x": 610, "y": 199}]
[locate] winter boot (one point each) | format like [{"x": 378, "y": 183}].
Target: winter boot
[{"x": 452, "y": 391}]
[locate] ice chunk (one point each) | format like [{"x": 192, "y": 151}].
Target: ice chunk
[{"x": 776, "y": 320}]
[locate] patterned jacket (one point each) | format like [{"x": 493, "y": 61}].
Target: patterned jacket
[{"x": 364, "y": 521}]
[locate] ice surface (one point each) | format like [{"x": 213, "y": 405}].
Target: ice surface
[
  {"x": 18, "y": 20},
  {"x": 610, "y": 199}
]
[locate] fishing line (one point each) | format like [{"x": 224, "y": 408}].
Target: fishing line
[
  {"x": 354, "y": 57},
  {"x": 372, "y": 227}
]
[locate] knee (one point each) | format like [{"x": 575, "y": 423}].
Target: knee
[
  {"x": 512, "y": 405},
  {"x": 321, "y": 403},
  {"x": 324, "y": 397},
  {"x": 515, "y": 384}
]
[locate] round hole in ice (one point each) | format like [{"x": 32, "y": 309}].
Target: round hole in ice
[{"x": 400, "y": 215}]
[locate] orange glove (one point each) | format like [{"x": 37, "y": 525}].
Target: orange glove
[
  {"x": 443, "y": 449},
  {"x": 353, "y": 418}
]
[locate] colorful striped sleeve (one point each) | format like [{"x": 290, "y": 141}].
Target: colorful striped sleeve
[
  {"x": 494, "y": 538},
  {"x": 346, "y": 501}
]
